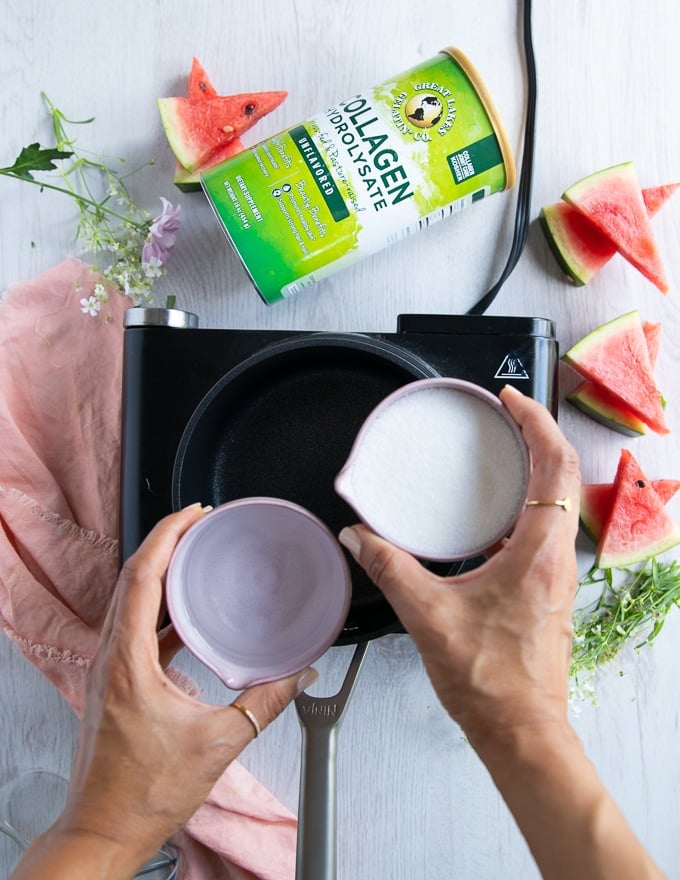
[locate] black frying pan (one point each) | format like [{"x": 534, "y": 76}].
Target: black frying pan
[{"x": 282, "y": 424}]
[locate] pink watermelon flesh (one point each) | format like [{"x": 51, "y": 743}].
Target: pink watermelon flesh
[
  {"x": 638, "y": 526},
  {"x": 597, "y": 500},
  {"x": 652, "y": 331},
  {"x": 196, "y": 129},
  {"x": 655, "y": 197},
  {"x": 578, "y": 245},
  {"x": 612, "y": 200},
  {"x": 200, "y": 88},
  {"x": 615, "y": 356},
  {"x": 600, "y": 404}
]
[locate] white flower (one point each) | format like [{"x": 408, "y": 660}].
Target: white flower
[
  {"x": 101, "y": 293},
  {"x": 90, "y": 306},
  {"x": 152, "y": 268}
]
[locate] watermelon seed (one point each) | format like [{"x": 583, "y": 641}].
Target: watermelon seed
[
  {"x": 640, "y": 483},
  {"x": 249, "y": 109}
]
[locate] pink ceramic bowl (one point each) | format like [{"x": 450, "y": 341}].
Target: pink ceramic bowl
[{"x": 258, "y": 589}]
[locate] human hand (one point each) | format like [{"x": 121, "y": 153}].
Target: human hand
[
  {"x": 496, "y": 641},
  {"x": 148, "y": 754}
]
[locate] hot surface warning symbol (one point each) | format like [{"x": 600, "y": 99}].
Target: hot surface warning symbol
[{"x": 511, "y": 368}]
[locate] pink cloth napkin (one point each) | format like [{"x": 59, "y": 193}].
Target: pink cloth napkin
[{"x": 60, "y": 396}]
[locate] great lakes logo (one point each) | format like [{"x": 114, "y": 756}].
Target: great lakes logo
[
  {"x": 424, "y": 111},
  {"x": 427, "y": 109}
]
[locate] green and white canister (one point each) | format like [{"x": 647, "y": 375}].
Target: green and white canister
[{"x": 368, "y": 172}]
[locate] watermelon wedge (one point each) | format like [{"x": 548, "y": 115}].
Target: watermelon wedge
[
  {"x": 638, "y": 526},
  {"x": 600, "y": 404},
  {"x": 655, "y": 197},
  {"x": 195, "y": 129},
  {"x": 200, "y": 143},
  {"x": 597, "y": 500},
  {"x": 579, "y": 247},
  {"x": 615, "y": 356},
  {"x": 612, "y": 201}
]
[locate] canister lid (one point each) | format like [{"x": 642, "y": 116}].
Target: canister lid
[{"x": 485, "y": 97}]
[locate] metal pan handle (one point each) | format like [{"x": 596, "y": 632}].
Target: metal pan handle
[{"x": 320, "y": 719}]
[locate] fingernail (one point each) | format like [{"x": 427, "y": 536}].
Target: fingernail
[
  {"x": 308, "y": 677},
  {"x": 349, "y": 538},
  {"x": 207, "y": 508},
  {"x": 512, "y": 390},
  {"x": 193, "y": 506}
]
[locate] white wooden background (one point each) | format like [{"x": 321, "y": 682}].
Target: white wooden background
[{"x": 414, "y": 801}]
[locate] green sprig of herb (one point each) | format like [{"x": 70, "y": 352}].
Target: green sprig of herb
[
  {"x": 631, "y": 608},
  {"x": 110, "y": 225}
]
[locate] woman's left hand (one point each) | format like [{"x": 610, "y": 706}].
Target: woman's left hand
[{"x": 148, "y": 753}]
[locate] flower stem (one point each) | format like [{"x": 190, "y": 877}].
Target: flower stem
[{"x": 82, "y": 200}]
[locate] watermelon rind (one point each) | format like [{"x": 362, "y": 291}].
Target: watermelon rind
[
  {"x": 638, "y": 526},
  {"x": 604, "y": 408},
  {"x": 186, "y": 181},
  {"x": 615, "y": 356},
  {"x": 580, "y": 249},
  {"x": 612, "y": 200},
  {"x": 597, "y": 499}
]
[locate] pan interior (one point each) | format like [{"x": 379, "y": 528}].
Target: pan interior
[{"x": 283, "y": 427}]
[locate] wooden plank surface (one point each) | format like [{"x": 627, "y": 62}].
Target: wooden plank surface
[{"x": 414, "y": 801}]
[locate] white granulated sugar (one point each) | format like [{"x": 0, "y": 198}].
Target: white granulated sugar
[{"x": 439, "y": 471}]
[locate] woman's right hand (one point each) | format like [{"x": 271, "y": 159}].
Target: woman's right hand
[{"x": 496, "y": 641}]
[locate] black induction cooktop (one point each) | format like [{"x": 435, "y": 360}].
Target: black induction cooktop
[{"x": 212, "y": 415}]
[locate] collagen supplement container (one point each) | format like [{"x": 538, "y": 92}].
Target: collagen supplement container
[{"x": 366, "y": 173}]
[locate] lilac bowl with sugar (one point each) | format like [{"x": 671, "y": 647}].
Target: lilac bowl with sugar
[{"x": 439, "y": 468}]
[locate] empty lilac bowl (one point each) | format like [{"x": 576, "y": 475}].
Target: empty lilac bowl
[{"x": 258, "y": 589}]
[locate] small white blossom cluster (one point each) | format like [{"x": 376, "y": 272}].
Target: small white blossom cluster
[
  {"x": 92, "y": 304},
  {"x": 137, "y": 251}
]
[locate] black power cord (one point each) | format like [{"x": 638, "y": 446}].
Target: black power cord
[{"x": 522, "y": 213}]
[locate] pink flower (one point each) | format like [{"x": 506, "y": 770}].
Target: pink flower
[{"x": 162, "y": 235}]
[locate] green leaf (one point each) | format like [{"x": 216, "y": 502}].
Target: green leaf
[{"x": 35, "y": 158}]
